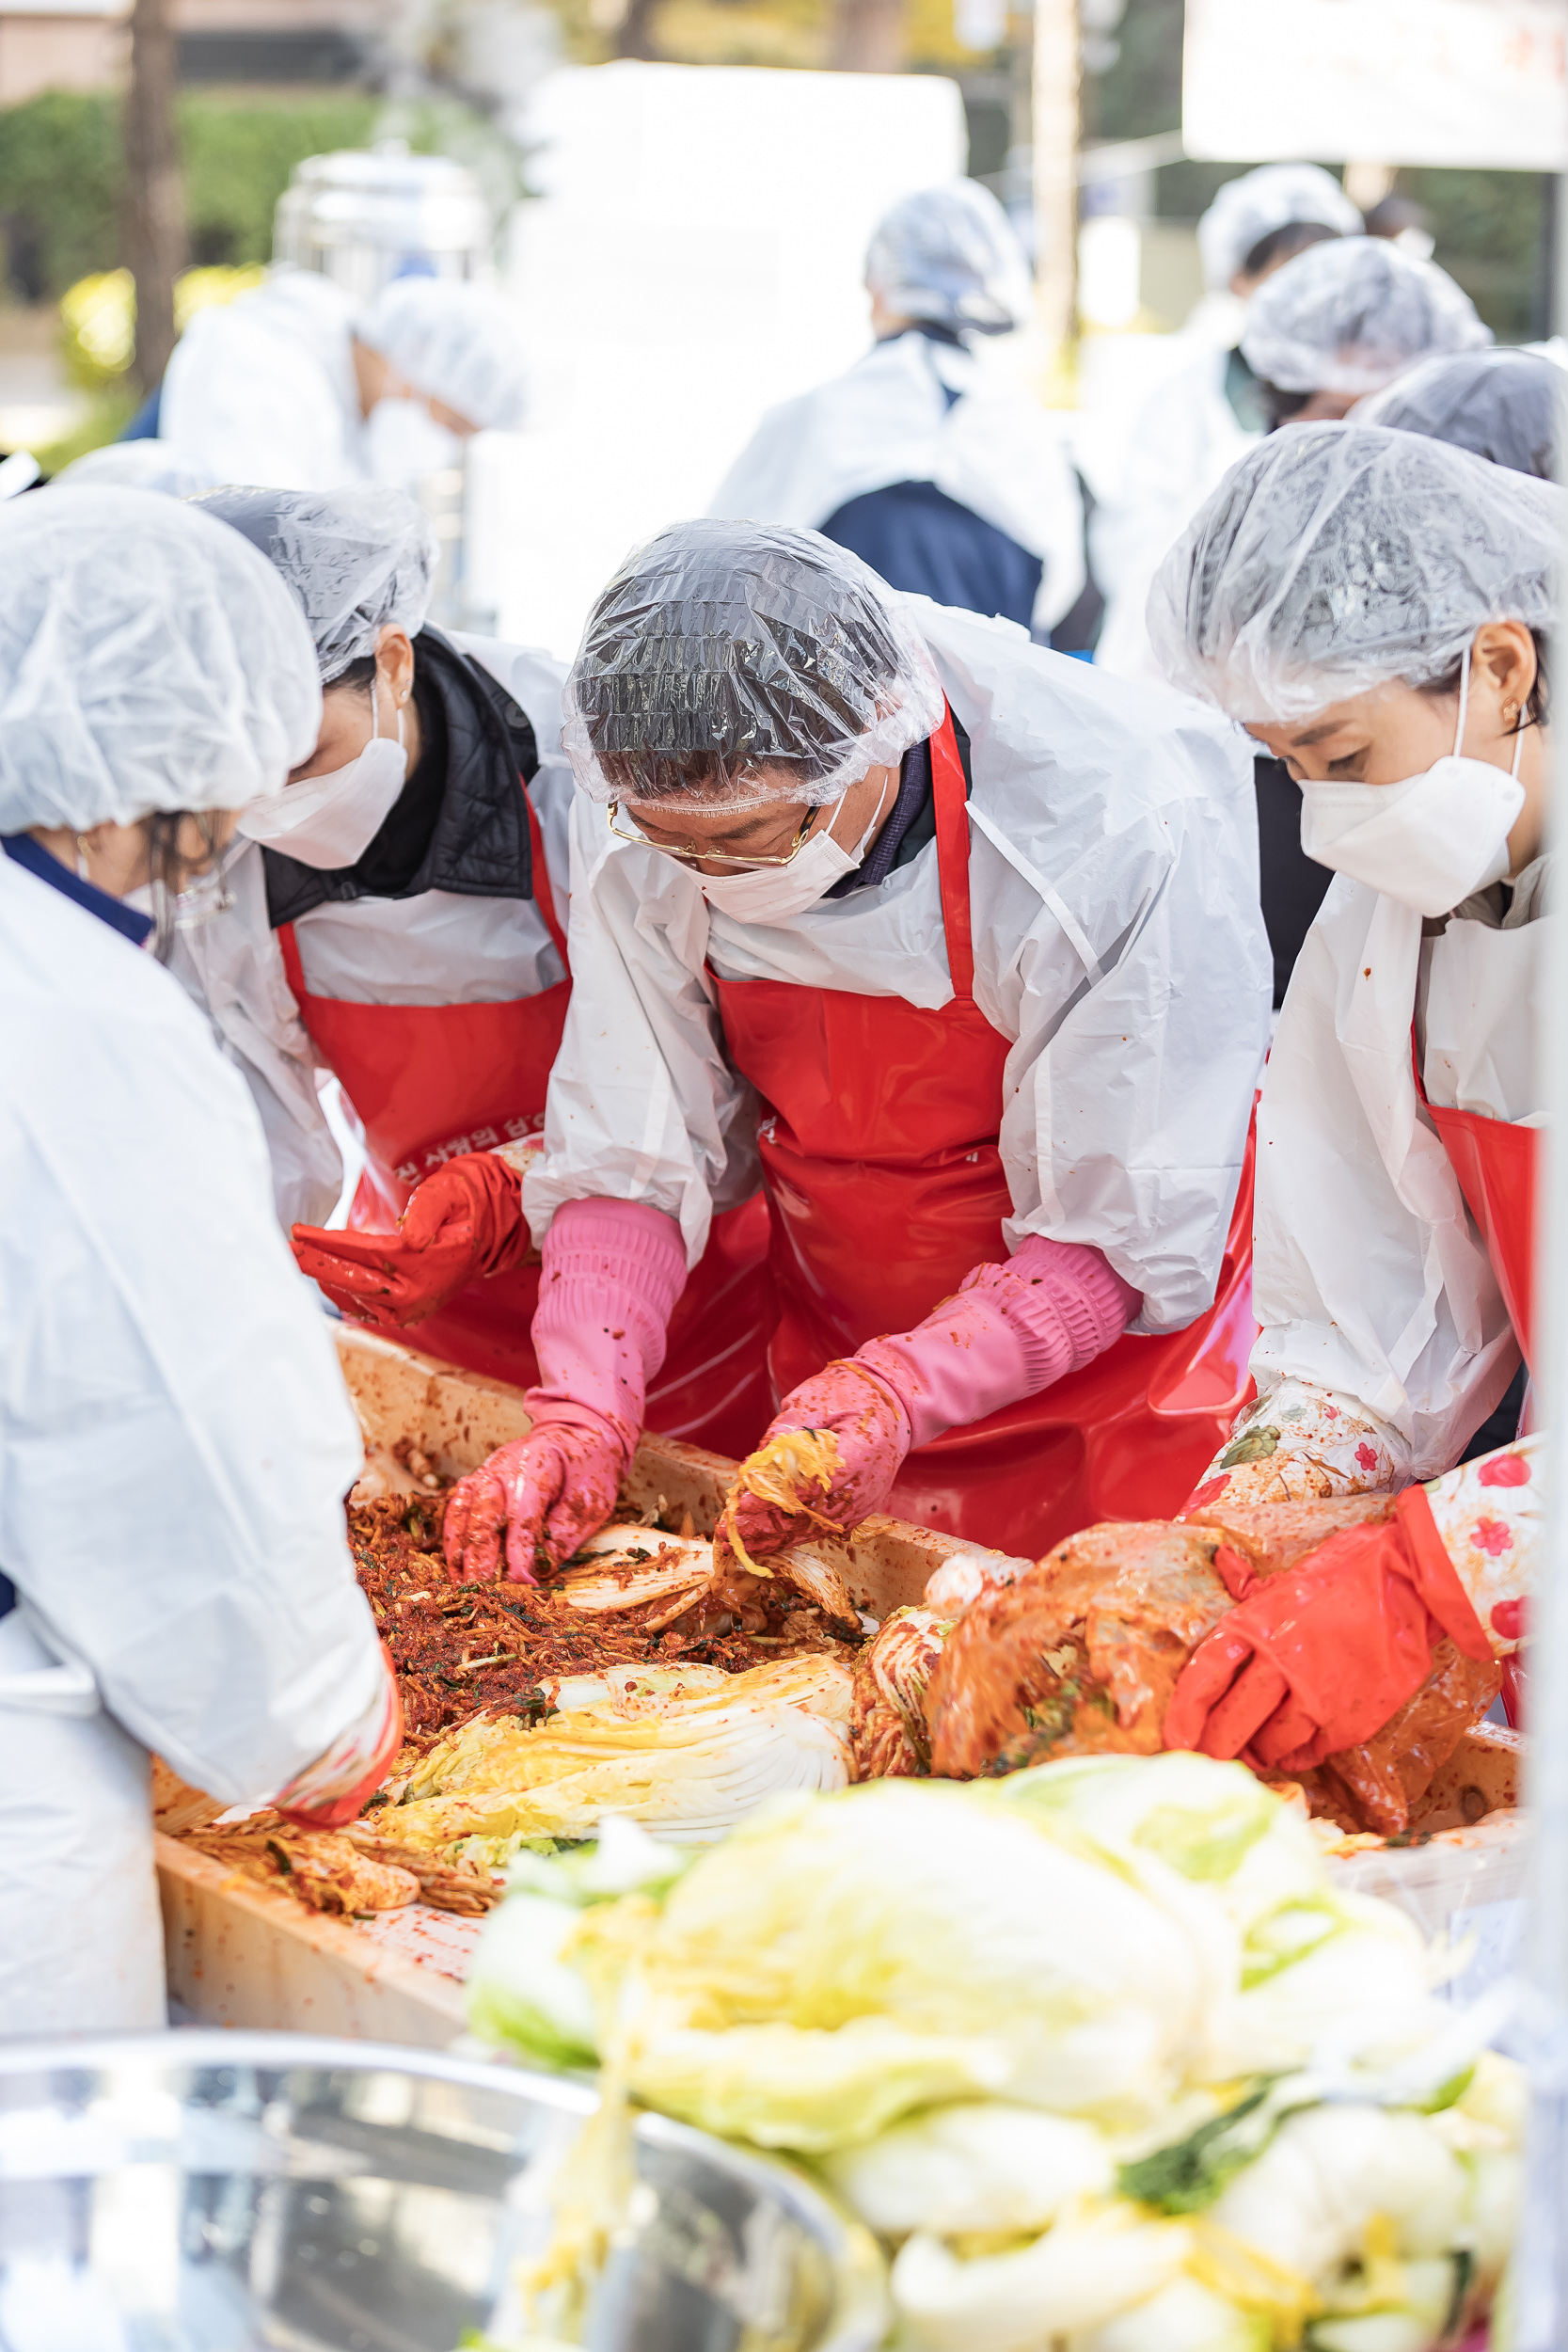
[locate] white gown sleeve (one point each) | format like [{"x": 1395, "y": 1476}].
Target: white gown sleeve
[
  {"x": 177, "y": 1435},
  {"x": 1368, "y": 1279},
  {"x": 643, "y": 1103},
  {"x": 1136, "y": 982}
]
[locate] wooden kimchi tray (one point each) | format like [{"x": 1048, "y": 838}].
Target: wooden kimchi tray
[{"x": 242, "y": 1955}]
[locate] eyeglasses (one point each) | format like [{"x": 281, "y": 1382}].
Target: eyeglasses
[{"x": 710, "y": 857}]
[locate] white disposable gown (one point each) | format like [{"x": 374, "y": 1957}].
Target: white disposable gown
[
  {"x": 1186, "y": 439},
  {"x": 914, "y": 410},
  {"x": 175, "y": 1444},
  {"x": 1369, "y": 1279},
  {"x": 1117, "y": 942},
  {"x": 438, "y": 948},
  {"x": 262, "y": 390}
]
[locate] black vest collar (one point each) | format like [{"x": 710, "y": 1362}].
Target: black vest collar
[{"x": 480, "y": 847}]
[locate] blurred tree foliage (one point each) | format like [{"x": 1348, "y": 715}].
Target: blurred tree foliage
[
  {"x": 1492, "y": 236},
  {"x": 755, "y": 32},
  {"x": 61, "y": 169}
]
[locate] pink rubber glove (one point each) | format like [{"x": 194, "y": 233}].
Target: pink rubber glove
[
  {"x": 612, "y": 1272},
  {"x": 1007, "y": 1332}
]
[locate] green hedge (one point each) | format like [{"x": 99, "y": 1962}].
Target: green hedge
[{"x": 61, "y": 173}]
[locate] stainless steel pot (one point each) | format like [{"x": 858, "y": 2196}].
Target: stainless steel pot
[
  {"x": 364, "y": 217},
  {"x": 221, "y": 2192}
]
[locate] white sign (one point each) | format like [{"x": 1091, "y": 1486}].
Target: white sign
[
  {"x": 695, "y": 254},
  {"x": 1481, "y": 84}
]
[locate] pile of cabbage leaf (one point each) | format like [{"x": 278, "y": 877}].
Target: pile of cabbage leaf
[{"x": 1097, "y": 2050}]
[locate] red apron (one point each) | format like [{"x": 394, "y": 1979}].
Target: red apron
[
  {"x": 885, "y": 1183},
  {"x": 1498, "y": 1165},
  {"x": 429, "y": 1081}
]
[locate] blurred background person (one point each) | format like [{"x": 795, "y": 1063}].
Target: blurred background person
[
  {"x": 1404, "y": 223},
  {"x": 295, "y": 387},
  {"x": 1504, "y": 405},
  {"x": 1337, "y": 321},
  {"x": 1332, "y": 325},
  {"x": 398, "y": 920},
  {"x": 932, "y": 469},
  {"x": 1205, "y": 414},
  {"x": 175, "y": 1437}
]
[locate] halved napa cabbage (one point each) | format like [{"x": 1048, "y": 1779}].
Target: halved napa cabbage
[
  {"x": 1078, "y": 2275},
  {"x": 689, "y": 1762},
  {"x": 1214, "y": 1823},
  {"x": 805, "y": 2090},
  {"x": 975, "y": 2166},
  {"x": 522, "y": 1990},
  {"x": 1185, "y": 2317},
  {"x": 624, "y": 1567},
  {"x": 1315, "y": 1962},
  {"x": 907, "y": 1902},
  {"x": 1359, "y": 1991},
  {"x": 1329, "y": 2172}
]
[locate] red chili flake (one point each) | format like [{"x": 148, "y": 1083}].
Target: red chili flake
[{"x": 464, "y": 1649}]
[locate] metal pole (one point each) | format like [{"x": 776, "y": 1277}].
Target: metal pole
[
  {"x": 1541, "y": 2284},
  {"x": 1056, "y": 143}
]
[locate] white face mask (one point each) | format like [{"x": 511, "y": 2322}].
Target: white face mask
[
  {"x": 1428, "y": 842},
  {"x": 403, "y": 444},
  {"x": 329, "y": 821},
  {"x": 771, "y": 893}
]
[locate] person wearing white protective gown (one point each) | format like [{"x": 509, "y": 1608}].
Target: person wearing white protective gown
[
  {"x": 297, "y": 386},
  {"x": 1325, "y": 327},
  {"x": 399, "y": 921},
  {"x": 924, "y": 460},
  {"x": 958, "y": 949},
  {"x": 1207, "y": 412},
  {"x": 175, "y": 1435},
  {"x": 1374, "y": 606}
]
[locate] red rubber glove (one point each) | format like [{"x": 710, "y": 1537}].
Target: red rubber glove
[
  {"x": 1006, "y": 1332},
  {"x": 611, "y": 1274},
  {"x": 872, "y": 1427},
  {"x": 465, "y": 1220},
  {"x": 546, "y": 1493},
  {"x": 1317, "y": 1657}
]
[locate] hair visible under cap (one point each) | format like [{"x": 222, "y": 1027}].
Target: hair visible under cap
[
  {"x": 1507, "y": 406},
  {"x": 359, "y": 559},
  {"x": 724, "y": 649},
  {"x": 1334, "y": 559},
  {"x": 1348, "y": 316}
]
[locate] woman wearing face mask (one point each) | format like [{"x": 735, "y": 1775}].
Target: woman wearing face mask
[
  {"x": 1373, "y": 605},
  {"x": 175, "y": 1440},
  {"x": 398, "y": 920},
  {"x": 957, "y": 945}
]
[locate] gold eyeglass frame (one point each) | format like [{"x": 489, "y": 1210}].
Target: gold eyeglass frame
[{"x": 713, "y": 857}]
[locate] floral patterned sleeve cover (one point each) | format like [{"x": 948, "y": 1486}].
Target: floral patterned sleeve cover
[
  {"x": 1300, "y": 1444},
  {"x": 1489, "y": 1513}
]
